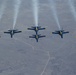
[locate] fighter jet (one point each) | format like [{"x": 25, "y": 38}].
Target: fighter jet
[
  {"x": 12, "y": 32},
  {"x": 36, "y": 28},
  {"x": 37, "y": 36},
  {"x": 60, "y": 32}
]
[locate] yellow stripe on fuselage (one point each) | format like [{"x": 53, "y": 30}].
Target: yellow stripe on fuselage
[
  {"x": 60, "y": 33},
  {"x": 37, "y": 36},
  {"x": 36, "y": 28}
]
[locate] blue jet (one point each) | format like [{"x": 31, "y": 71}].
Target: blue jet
[
  {"x": 36, "y": 28},
  {"x": 37, "y": 36},
  {"x": 12, "y": 32},
  {"x": 60, "y": 32}
]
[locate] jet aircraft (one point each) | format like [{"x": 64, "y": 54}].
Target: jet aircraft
[
  {"x": 37, "y": 36},
  {"x": 36, "y": 28},
  {"x": 12, "y": 32},
  {"x": 60, "y": 32}
]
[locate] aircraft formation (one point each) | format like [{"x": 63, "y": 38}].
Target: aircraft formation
[
  {"x": 37, "y": 36},
  {"x": 36, "y": 29}
]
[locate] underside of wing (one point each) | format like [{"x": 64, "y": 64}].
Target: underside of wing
[
  {"x": 31, "y": 36},
  {"x": 42, "y": 36},
  {"x": 17, "y": 31},
  {"x": 7, "y": 32},
  {"x": 41, "y": 28},
  {"x": 30, "y": 28},
  {"x": 65, "y": 32},
  {"x": 55, "y": 32}
]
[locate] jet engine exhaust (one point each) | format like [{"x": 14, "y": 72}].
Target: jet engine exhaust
[
  {"x": 2, "y": 8},
  {"x": 52, "y": 4},
  {"x": 35, "y": 11},
  {"x": 71, "y": 3},
  {"x": 16, "y": 10}
]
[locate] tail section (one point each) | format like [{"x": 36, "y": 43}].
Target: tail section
[
  {"x": 11, "y": 35},
  {"x": 62, "y": 36}
]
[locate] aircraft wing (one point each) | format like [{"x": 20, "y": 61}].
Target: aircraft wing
[
  {"x": 7, "y": 32},
  {"x": 55, "y": 32},
  {"x": 41, "y": 28},
  {"x": 31, "y": 36},
  {"x": 17, "y": 31},
  {"x": 31, "y": 28},
  {"x": 42, "y": 36},
  {"x": 65, "y": 32}
]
